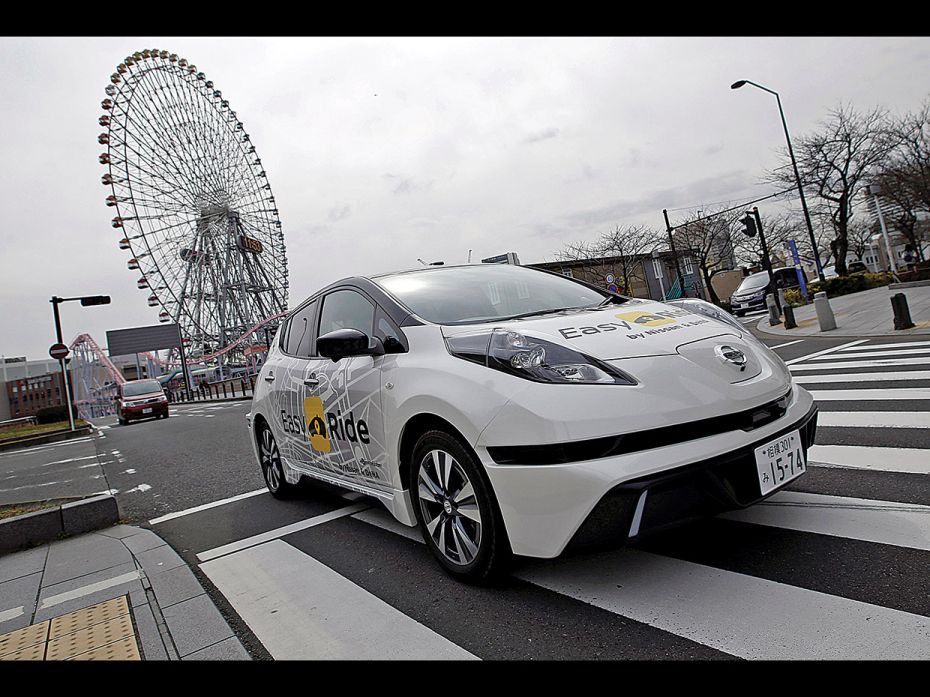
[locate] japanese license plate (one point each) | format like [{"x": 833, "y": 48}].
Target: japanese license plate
[
  {"x": 779, "y": 461},
  {"x": 147, "y": 411}
]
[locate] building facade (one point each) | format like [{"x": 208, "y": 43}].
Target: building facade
[{"x": 26, "y": 396}]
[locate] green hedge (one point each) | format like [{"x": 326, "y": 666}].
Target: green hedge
[
  {"x": 50, "y": 415},
  {"x": 841, "y": 285}
]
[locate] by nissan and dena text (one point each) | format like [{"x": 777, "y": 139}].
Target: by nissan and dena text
[{"x": 506, "y": 410}]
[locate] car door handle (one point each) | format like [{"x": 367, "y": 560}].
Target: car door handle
[
  {"x": 269, "y": 377},
  {"x": 312, "y": 381}
]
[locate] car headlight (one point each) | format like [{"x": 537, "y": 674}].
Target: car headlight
[
  {"x": 534, "y": 359},
  {"x": 705, "y": 308}
]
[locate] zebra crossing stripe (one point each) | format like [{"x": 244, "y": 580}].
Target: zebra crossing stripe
[
  {"x": 299, "y": 608},
  {"x": 924, "y": 360},
  {"x": 910, "y": 460},
  {"x": 884, "y": 522},
  {"x": 874, "y": 419},
  {"x": 903, "y": 393},
  {"x": 825, "y": 352},
  {"x": 864, "y": 377},
  {"x": 907, "y": 344},
  {"x": 742, "y": 615},
  {"x": 870, "y": 354}
]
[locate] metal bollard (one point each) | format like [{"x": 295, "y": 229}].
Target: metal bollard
[
  {"x": 824, "y": 312},
  {"x": 774, "y": 314},
  {"x": 902, "y": 314},
  {"x": 789, "y": 318}
]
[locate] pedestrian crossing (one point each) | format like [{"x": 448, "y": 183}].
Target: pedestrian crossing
[{"x": 817, "y": 571}]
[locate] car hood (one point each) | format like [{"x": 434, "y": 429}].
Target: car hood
[{"x": 633, "y": 329}]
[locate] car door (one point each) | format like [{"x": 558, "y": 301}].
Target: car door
[
  {"x": 295, "y": 381},
  {"x": 350, "y": 395}
]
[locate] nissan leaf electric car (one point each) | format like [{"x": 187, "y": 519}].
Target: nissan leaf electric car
[{"x": 508, "y": 410}]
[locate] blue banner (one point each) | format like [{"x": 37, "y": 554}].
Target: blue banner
[{"x": 793, "y": 246}]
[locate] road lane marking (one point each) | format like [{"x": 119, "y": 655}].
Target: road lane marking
[
  {"x": 790, "y": 343},
  {"x": 910, "y": 460},
  {"x": 280, "y": 532},
  {"x": 884, "y": 522},
  {"x": 902, "y": 393},
  {"x": 91, "y": 588},
  {"x": 863, "y": 377},
  {"x": 742, "y": 615},
  {"x": 39, "y": 448},
  {"x": 299, "y": 608},
  {"x": 204, "y": 507},
  {"x": 861, "y": 364},
  {"x": 874, "y": 419},
  {"x": 824, "y": 352}
]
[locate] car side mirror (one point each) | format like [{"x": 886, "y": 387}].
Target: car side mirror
[{"x": 348, "y": 342}]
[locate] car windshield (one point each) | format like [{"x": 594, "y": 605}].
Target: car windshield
[
  {"x": 133, "y": 389},
  {"x": 754, "y": 282},
  {"x": 488, "y": 293}
]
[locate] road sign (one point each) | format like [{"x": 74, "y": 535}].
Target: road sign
[
  {"x": 58, "y": 351},
  {"x": 613, "y": 288},
  {"x": 610, "y": 278}
]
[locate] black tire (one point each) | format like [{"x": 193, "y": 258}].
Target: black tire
[
  {"x": 492, "y": 554},
  {"x": 269, "y": 458},
  {"x": 123, "y": 422},
  {"x": 739, "y": 313}
]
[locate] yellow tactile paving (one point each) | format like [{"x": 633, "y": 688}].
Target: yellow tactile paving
[
  {"x": 121, "y": 650},
  {"x": 30, "y": 653},
  {"x": 89, "y": 616},
  {"x": 15, "y": 641},
  {"x": 89, "y": 638},
  {"x": 101, "y": 632}
]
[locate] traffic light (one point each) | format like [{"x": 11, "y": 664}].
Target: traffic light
[
  {"x": 749, "y": 225},
  {"x": 95, "y": 300}
]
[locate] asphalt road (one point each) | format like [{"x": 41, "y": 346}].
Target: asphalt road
[{"x": 833, "y": 567}]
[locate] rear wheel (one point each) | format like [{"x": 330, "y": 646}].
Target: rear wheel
[
  {"x": 122, "y": 421},
  {"x": 272, "y": 470},
  {"x": 456, "y": 510}
]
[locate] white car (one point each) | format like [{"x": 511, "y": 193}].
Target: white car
[{"x": 508, "y": 410}]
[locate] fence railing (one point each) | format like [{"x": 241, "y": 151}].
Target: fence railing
[{"x": 225, "y": 389}]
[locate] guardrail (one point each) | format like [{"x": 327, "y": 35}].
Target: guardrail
[
  {"x": 12, "y": 423},
  {"x": 225, "y": 389}
]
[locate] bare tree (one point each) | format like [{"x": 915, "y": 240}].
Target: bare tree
[
  {"x": 834, "y": 162},
  {"x": 778, "y": 229},
  {"x": 621, "y": 250},
  {"x": 860, "y": 232},
  {"x": 706, "y": 236}
]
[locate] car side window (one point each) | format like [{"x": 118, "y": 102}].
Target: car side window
[
  {"x": 346, "y": 309},
  {"x": 300, "y": 332},
  {"x": 385, "y": 329}
]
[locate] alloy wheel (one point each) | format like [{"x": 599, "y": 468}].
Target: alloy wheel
[{"x": 449, "y": 507}]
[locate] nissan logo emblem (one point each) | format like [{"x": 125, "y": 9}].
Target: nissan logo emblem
[{"x": 730, "y": 355}]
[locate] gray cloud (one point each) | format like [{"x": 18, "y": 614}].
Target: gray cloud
[
  {"x": 338, "y": 213},
  {"x": 542, "y": 135}
]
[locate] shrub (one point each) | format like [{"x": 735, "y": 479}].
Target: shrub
[
  {"x": 841, "y": 285},
  {"x": 50, "y": 415},
  {"x": 793, "y": 297}
]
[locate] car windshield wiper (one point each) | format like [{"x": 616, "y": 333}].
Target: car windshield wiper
[{"x": 619, "y": 300}]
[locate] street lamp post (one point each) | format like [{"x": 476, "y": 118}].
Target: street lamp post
[
  {"x": 85, "y": 301},
  {"x": 797, "y": 177}
]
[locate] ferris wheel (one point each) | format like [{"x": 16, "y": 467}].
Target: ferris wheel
[{"x": 192, "y": 201}]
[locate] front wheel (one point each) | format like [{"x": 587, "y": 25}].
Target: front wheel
[
  {"x": 272, "y": 470},
  {"x": 456, "y": 510}
]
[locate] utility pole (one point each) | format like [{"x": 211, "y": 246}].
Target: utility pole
[
  {"x": 671, "y": 244},
  {"x": 64, "y": 369}
]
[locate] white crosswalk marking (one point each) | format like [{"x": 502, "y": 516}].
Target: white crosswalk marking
[
  {"x": 874, "y": 419},
  {"x": 908, "y": 344},
  {"x": 913, "y": 460},
  {"x": 301, "y": 609},
  {"x": 742, "y": 615},
  {"x": 864, "y": 377},
  {"x": 872, "y": 354},
  {"x": 904, "y": 393},
  {"x": 841, "y": 365}
]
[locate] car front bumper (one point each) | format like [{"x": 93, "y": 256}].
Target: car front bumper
[
  {"x": 157, "y": 409},
  {"x": 550, "y": 508}
]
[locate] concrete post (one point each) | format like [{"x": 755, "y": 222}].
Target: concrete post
[
  {"x": 789, "y": 318},
  {"x": 824, "y": 313},
  {"x": 774, "y": 314},
  {"x": 902, "y": 314}
]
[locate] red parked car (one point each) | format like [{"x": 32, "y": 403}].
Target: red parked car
[{"x": 141, "y": 399}]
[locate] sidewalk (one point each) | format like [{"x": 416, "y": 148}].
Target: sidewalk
[
  {"x": 119, "y": 593},
  {"x": 867, "y": 313}
]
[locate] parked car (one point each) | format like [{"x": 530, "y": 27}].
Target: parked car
[
  {"x": 752, "y": 291},
  {"x": 857, "y": 267},
  {"x": 829, "y": 272},
  {"x": 141, "y": 399},
  {"x": 509, "y": 410}
]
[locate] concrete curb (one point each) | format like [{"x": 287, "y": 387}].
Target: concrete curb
[
  {"x": 43, "y": 438},
  {"x": 908, "y": 284},
  {"x": 71, "y": 518},
  {"x": 211, "y": 401}
]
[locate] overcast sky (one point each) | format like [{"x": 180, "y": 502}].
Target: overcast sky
[{"x": 380, "y": 151}]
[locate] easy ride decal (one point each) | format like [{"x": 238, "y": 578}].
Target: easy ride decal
[{"x": 657, "y": 322}]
